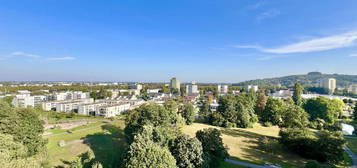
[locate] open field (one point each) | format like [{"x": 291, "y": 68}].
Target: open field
[
  {"x": 105, "y": 139},
  {"x": 256, "y": 145}
]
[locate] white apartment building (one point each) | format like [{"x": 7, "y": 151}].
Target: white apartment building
[
  {"x": 353, "y": 89},
  {"x": 52, "y": 105},
  {"x": 192, "y": 89},
  {"x": 112, "y": 110},
  {"x": 254, "y": 88},
  {"x": 70, "y": 95},
  {"x": 175, "y": 84},
  {"x": 282, "y": 94},
  {"x": 328, "y": 83},
  {"x": 222, "y": 89},
  {"x": 24, "y": 99},
  {"x": 90, "y": 108},
  {"x": 153, "y": 91}
]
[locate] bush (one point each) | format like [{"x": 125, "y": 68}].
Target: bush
[
  {"x": 325, "y": 147},
  {"x": 267, "y": 124}
]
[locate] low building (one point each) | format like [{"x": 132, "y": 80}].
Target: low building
[
  {"x": 90, "y": 108},
  {"x": 253, "y": 88},
  {"x": 112, "y": 110},
  {"x": 153, "y": 91},
  {"x": 282, "y": 94},
  {"x": 24, "y": 99},
  {"x": 52, "y": 105}
]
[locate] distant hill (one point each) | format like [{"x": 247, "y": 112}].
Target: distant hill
[{"x": 310, "y": 79}]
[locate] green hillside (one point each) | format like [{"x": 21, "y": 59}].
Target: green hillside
[{"x": 311, "y": 79}]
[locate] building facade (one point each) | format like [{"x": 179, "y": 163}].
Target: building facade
[
  {"x": 175, "y": 84},
  {"x": 328, "y": 83},
  {"x": 192, "y": 89},
  {"x": 222, "y": 89}
]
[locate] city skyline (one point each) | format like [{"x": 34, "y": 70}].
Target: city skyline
[{"x": 216, "y": 41}]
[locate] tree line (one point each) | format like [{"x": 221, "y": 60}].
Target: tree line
[{"x": 295, "y": 117}]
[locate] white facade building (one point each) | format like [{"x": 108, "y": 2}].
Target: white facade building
[
  {"x": 328, "y": 83},
  {"x": 24, "y": 99},
  {"x": 192, "y": 89},
  {"x": 254, "y": 88},
  {"x": 52, "y": 105},
  {"x": 112, "y": 110},
  {"x": 222, "y": 89},
  {"x": 153, "y": 91},
  {"x": 89, "y": 109}
]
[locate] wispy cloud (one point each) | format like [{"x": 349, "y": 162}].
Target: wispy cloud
[
  {"x": 61, "y": 58},
  {"x": 268, "y": 14},
  {"x": 313, "y": 45},
  {"x": 23, "y": 54},
  {"x": 353, "y": 55},
  {"x": 258, "y": 5}
]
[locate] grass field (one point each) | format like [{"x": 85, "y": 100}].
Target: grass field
[
  {"x": 106, "y": 140},
  {"x": 256, "y": 145}
]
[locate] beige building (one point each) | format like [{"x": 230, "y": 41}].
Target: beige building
[
  {"x": 328, "y": 83},
  {"x": 175, "y": 84},
  {"x": 353, "y": 89}
]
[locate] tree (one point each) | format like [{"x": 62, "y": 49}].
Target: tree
[
  {"x": 324, "y": 146},
  {"x": 25, "y": 127},
  {"x": 212, "y": 145},
  {"x": 205, "y": 112},
  {"x": 273, "y": 111},
  {"x": 294, "y": 116},
  {"x": 261, "y": 103},
  {"x": 187, "y": 151},
  {"x": 188, "y": 113},
  {"x": 235, "y": 111},
  {"x": 14, "y": 154},
  {"x": 152, "y": 114},
  {"x": 324, "y": 108},
  {"x": 144, "y": 153},
  {"x": 171, "y": 106},
  {"x": 298, "y": 90}
]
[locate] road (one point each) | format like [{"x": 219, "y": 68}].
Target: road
[{"x": 236, "y": 162}]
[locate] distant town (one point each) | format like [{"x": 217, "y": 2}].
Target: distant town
[{"x": 109, "y": 99}]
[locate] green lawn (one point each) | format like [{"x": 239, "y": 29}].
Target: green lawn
[
  {"x": 258, "y": 145},
  {"x": 107, "y": 146},
  {"x": 229, "y": 165}
]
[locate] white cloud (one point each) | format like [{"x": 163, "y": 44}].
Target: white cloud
[
  {"x": 61, "y": 58},
  {"x": 353, "y": 55},
  {"x": 258, "y": 5},
  {"x": 23, "y": 54},
  {"x": 268, "y": 14},
  {"x": 248, "y": 46},
  {"x": 317, "y": 44}
]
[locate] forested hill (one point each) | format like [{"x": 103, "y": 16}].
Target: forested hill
[{"x": 311, "y": 79}]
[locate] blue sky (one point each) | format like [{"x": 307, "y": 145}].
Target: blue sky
[{"x": 194, "y": 40}]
